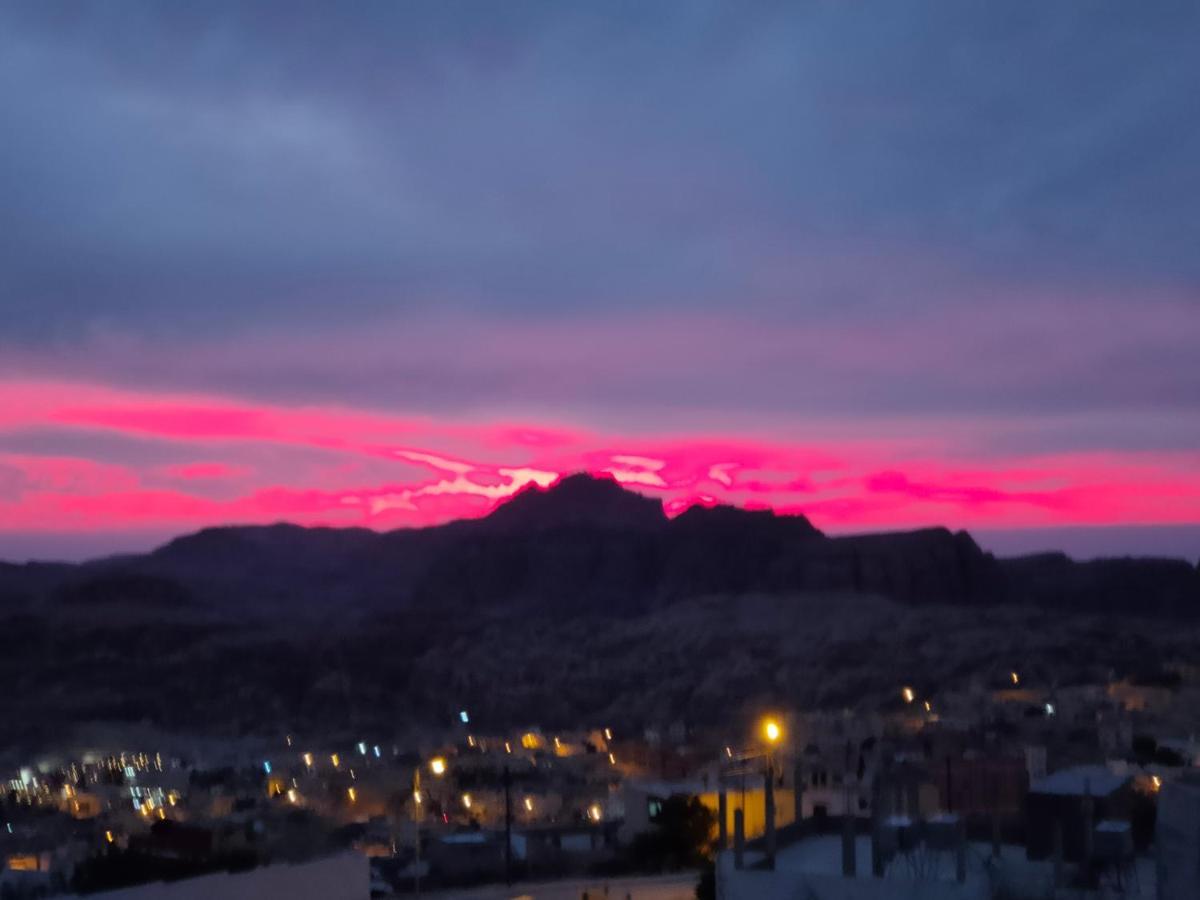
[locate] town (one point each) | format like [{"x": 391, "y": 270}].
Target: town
[{"x": 1008, "y": 788}]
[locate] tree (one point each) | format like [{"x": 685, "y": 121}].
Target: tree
[{"x": 681, "y": 838}]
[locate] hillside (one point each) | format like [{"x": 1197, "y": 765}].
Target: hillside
[{"x": 581, "y": 600}]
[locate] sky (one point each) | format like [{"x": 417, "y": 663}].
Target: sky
[{"x": 384, "y": 264}]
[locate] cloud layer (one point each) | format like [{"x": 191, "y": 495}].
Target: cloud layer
[{"x": 384, "y": 263}]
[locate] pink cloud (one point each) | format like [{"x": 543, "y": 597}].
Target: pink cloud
[
  {"x": 200, "y": 471},
  {"x": 341, "y": 466}
]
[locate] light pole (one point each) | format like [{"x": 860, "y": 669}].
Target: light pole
[
  {"x": 773, "y": 732},
  {"x": 437, "y": 766},
  {"x": 770, "y": 733}
]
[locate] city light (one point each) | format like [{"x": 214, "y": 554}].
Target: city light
[
  {"x": 1156, "y": 782},
  {"x": 352, "y": 794},
  {"x": 528, "y": 804},
  {"x": 772, "y": 731},
  {"x": 437, "y": 765},
  {"x": 267, "y": 766},
  {"x": 463, "y": 717},
  {"x": 1049, "y": 707},
  {"x": 108, "y": 836},
  {"x": 908, "y": 694},
  {"x": 608, "y": 734},
  {"x": 417, "y": 797},
  {"x": 308, "y": 759},
  {"x": 335, "y": 759},
  {"x": 612, "y": 759},
  {"x": 466, "y": 800},
  {"x": 594, "y": 812},
  {"x": 1016, "y": 679},
  {"x": 928, "y": 706},
  {"x": 362, "y": 748},
  {"x": 292, "y": 796},
  {"x": 507, "y": 747}
]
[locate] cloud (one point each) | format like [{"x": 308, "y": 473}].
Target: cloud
[
  {"x": 341, "y": 466},
  {"x": 778, "y": 249}
]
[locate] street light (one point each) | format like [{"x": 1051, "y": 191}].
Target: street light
[
  {"x": 437, "y": 765},
  {"x": 772, "y": 731}
]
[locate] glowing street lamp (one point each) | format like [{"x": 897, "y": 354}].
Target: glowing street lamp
[
  {"x": 772, "y": 731},
  {"x": 437, "y": 765}
]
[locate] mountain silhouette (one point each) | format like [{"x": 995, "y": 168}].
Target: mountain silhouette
[{"x": 587, "y": 544}]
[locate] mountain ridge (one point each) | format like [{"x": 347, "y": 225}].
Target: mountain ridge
[{"x": 587, "y": 543}]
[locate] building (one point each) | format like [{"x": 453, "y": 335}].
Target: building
[
  {"x": 642, "y": 800},
  {"x": 838, "y": 867},
  {"x": 1070, "y": 802},
  {"x": 1177, "y": 840}
]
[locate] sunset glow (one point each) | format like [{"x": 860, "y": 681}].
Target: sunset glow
[{"x": 234, "y": 461}]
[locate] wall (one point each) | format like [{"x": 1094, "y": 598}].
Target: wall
[{"x": 344, "y": 877}]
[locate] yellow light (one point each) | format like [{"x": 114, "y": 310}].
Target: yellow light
[
  {"x": 417, "y": 797},
  {"x": 292, "y": 795},
  {"x": 594, "y": 812},
  {"x": 772, "y": 731},
  {"x": 162, "y": 813},
  {"x": 308, "y": 759},
  {"x": 467, "y": 800},
  {"x": 1156, "y": 781},
  {"x": 437, "y": 765},
  {"x": 528, "y": 804},
  {"x": 470, "y": 740},
  {"x": 352, "y": 794},
  {"x": 612, "y": 759},
  {"x": 556, "y": 744},
  {"x": 928, "y": 706},
  {"x": 1016, "y": 679},
  {"x": 335, "y": 759},
  {"x": 108, "y": 836},
  {"x": 908, "y": 694},
  {"x": 608, "y": 734},
  {"x": 507, "y": 747},
  {"x": 530, "y": 741},
  {"x": 729, "y": 752}
]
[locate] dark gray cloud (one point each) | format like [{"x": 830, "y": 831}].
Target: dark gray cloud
[
  {"x": 175, "y": 178},
  {"x": 246, "y": 157}
]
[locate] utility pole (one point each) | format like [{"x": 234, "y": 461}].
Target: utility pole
[
  {"x": 417, "y": 831},
  {"x": 507, "y": 826}
]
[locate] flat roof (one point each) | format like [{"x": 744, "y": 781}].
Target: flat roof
[{"x": 1095, "y": 781}]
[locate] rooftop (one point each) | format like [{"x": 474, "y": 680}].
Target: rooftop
[{"x": 1094, "y": 781}]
